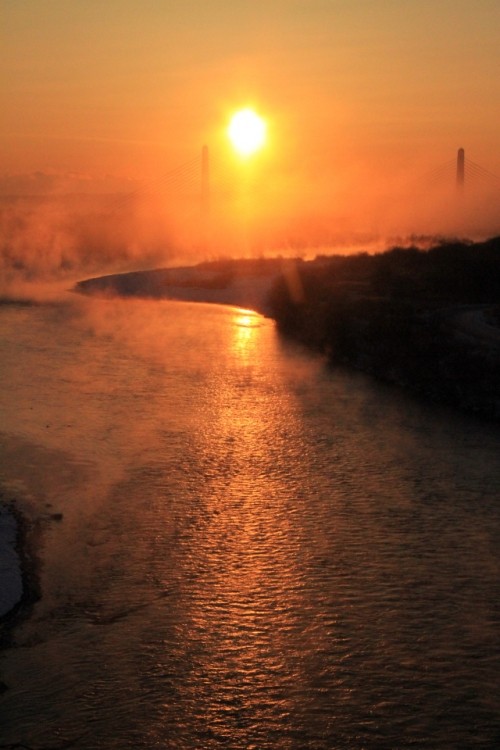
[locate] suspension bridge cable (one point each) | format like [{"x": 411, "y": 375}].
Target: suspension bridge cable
[
  {"x": 470, "y": 169},
  {"x": 435, "y": 174},
  {"x": 482, "y": 169},
  {"x": 472, "y": 172}
]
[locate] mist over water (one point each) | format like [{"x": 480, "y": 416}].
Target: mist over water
[
  {"x": 57, "y": 234},
  {"x": 254, "y": 551}
]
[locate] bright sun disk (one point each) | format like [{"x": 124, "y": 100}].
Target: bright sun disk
[{"x": 247, "y": 132}]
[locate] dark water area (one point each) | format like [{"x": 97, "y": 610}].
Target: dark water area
[{"x": 254, "y": 551}]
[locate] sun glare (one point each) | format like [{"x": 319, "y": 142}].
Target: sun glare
[{"x": 247, "y": 132}]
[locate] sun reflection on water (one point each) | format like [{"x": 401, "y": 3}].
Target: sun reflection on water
[
  {"x": 245, "y": 323},
  {"x": 242, "y": 564}
]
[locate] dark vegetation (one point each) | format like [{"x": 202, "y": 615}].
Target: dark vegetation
[
  {"x": 26, "y": 546},
  {"x": 426, "y": 320}
]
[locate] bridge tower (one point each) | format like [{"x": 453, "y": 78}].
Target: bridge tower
[
  {"x": 460, "y": 169},
  {"x": 205, "y": 198},
  {"x": 205, "y": 182}
]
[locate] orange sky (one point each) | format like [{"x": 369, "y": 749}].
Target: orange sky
[{"x": 357, "y": 92}]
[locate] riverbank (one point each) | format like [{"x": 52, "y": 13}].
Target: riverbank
[
  {"x": 12, "y": 586},
  {"x": 19, "y": 580},
  {"x": 425, "y": 321},
  {"x": 239, "y": 283}
]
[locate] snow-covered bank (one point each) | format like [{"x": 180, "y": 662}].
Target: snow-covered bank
[{"x": 234, "y": 283}]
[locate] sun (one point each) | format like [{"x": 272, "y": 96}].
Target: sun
[{"x": 247, "y": 132}]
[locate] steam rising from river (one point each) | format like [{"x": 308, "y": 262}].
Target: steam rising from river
[{"x": 59, "y": 238}]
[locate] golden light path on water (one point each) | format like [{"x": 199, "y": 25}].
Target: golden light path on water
[{"x": 242, "y": 563}]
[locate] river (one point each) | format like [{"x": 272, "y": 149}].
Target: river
[{"x": 255, "y": 552}]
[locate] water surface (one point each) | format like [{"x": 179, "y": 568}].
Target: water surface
[{"x": 256, "y": 552}]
